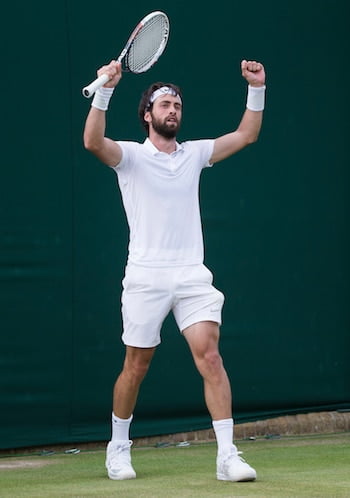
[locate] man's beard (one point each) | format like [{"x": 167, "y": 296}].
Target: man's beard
[{"x": 163, "y": 129}]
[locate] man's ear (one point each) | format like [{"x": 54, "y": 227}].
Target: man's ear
[{"x": 147, "y": 117}]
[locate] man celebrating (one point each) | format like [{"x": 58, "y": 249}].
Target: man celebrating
[{"x": 159, "y": 183}]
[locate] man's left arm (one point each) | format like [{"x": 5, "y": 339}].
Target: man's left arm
[{"x": 250, "y": 125}]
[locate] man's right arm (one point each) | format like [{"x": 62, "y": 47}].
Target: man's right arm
[
  {"x": 102, "y": 147},
  {"x": 107, "y": 150}
]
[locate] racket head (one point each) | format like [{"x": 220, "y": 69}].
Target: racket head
[{"x": 146, "y": 43}]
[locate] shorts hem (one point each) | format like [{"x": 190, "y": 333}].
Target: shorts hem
[
  {"x": 141, "y": 346},
  {"x": 192, "y": 321}
]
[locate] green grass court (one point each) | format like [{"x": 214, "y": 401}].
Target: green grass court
[{"x": 298, "y": 466}]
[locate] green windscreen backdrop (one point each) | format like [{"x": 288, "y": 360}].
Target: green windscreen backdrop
[{"x": 275, "y": 216}]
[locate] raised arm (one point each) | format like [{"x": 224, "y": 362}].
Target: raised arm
[
  {"x": 95, "y": 141},
  {"x": 249, "y": 127}
]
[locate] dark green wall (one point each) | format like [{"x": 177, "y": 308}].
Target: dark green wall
[{"x": 276, "y": 216}]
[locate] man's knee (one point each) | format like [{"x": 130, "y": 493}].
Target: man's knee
[
  {"x": 138, "y": 370},
  {"x": 137, "y": 363},
  {"x": 210, "y": 365},
  {"x": 213, "y": 361}
]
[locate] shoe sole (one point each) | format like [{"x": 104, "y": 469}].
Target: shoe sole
[
  {"x": 221, "y": 477},
  {"x": 121, "y": 477}
]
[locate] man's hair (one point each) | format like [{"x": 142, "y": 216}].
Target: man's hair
[{"x": 145, "y": 105}]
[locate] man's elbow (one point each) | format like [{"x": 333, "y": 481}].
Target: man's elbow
[
  {"x": 249, "y": 135},
  {"x": 91, "y": 144},
  {"x": 252, "y": 138}
]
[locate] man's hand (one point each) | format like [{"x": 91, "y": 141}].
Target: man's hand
[
  {"x": 114, "y": 71},
  {"x": 253, "y": 72}
]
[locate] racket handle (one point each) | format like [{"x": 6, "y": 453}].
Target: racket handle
[{"x": 89, "y": 90}]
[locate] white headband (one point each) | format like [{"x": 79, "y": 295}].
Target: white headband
[{"x": 164, "y": 90}]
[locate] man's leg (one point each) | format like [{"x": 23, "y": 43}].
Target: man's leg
[
  {"x": 136, "y": 364},
  {"x": 126, "y": 389},
  {"x": 203, "y": 340}
]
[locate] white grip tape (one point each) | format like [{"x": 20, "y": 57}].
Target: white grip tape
[
  {"x": 256, "y": 98},
  {"x": 102, "y": 98},
  {"x": 89, "y": 90}
]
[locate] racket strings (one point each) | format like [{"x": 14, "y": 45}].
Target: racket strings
[{"x": 148, "y": 45}]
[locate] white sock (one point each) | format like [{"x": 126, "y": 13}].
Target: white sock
[
  {"x": 120, "y": 428},
  {"x": 224, "y": 435}
]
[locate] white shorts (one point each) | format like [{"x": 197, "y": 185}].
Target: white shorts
[{"x": 149, "y": 294}]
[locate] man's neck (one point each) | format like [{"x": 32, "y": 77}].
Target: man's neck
[{"x": 167, "y": 145}]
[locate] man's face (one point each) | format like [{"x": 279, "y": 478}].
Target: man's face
[{"x": 165, "y": 116}]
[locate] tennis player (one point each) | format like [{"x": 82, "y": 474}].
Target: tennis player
[{"x": 159, "y": 182}]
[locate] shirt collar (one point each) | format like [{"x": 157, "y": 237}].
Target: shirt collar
[{"x": 153, "y": 149}]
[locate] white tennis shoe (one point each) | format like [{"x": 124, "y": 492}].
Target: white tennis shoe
[
  {"x": 118, "y": 460},
  {"x": 233, "y": 467}
]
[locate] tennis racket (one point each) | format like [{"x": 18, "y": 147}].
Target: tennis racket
[{"x": 144, "y": 47}]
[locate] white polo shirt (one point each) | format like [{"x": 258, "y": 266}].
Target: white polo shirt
[{"x": 160, "y": 194}]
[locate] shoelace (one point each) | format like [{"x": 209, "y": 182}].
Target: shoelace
[
  {"x": 235, "y": 454},
  {"x": 118, "y": 452}
]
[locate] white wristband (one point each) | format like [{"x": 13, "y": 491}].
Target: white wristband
[
  {"x": 102, "y": 97},
  {"x": 256, "y": 98}
]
